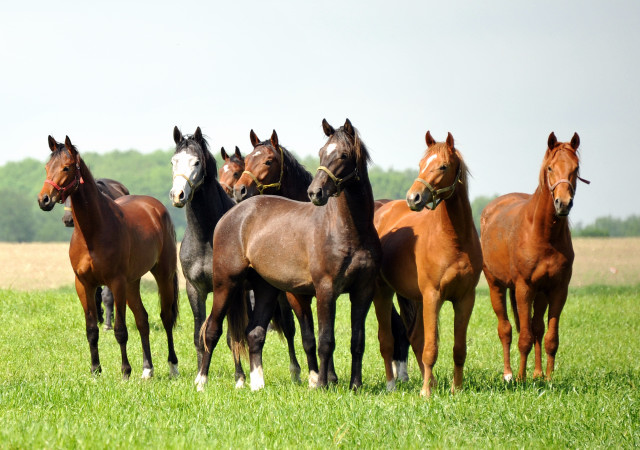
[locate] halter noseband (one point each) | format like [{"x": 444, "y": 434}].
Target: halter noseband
[
  {"x": 261, "y": 187},
  {"x": 339, "y": 181},
  {"x": 564, "y": 180},
  {"x": 436, "y": 194},
  {"x": 62, "y": 191},
  {"x": 193, "y": 185}
]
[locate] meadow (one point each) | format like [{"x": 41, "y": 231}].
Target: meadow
[{"x": 48, "y": 398}]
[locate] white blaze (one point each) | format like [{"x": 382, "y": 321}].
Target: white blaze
[
  {"x": 429, "y": 159},
  {"x": 331, "y": 148}
]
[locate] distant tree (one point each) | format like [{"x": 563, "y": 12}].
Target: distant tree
[
  {"x": 477, "y": 206},
  {"x": 16, "y": 220}
]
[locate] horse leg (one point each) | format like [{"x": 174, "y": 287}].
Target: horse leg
[
  {"x": 301, "y": 305},
  {"x": 552, "y": 339},
  {"x": 431, "y": 309},
  {"x": 462, "y": 309},
  {"x": 265, "y": 304},
  {"x": 239, "y": 376},
  {"x": 383, "y": 304},
  {"x": 168, "y": 291},
  {"x": 107, "y": 300},
  {"x": 537, "y": 327},
  {"x": 289, "y": 330},
  {"x": 497, "y": 294},
  {"x": 119, "y": 290},
  {"x": 361, "y": 299},
  {"x": 142, "y": 323},
  {"x": 524, "y": 297},
  {"x": 198, "y": 301},
  {"x": 99, "y": 309},
  {"x": 326, "y": 310},
  {"x": 400, "y": 346},
  {"x": 91, "y": 322}
]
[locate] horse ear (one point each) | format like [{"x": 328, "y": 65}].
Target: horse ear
[
  {"x": 575, "y": 141},
  {"x": 552, "y": 140},
  {"x": 177, "y": 135},
  {"x": 53, "y": 145},
  {"x": 349, "y": 128},
  {"x": 198, "y": 134},
  {"x": 430, "y": 140},
  {"x": 69, "y": 146},
  {"x": 254, "y": 139},
  {"x": 328, "y": 129},
  {"x": 450, "y": 142},
  {"x": 238, "y": 154},
  {"x": 274, "y": 139},
  {"x": 223, "y": 154}
]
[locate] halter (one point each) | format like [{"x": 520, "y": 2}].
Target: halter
[
  {"x": 261, "y": 187},
  {"x": 62, "y": 191},
  {"x": 339, "y": 181},
  {"x": 193, "y": 185},
  {"x": 564, "y": 180},
  {"x": 225, "y": 186},
  {"x": 436, "y": 194}
]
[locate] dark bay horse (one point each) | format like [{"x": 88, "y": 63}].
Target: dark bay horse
[
  {"x": 231, "y": 170},
  {"x": 527, "y": 249},
  {"x": 321, "y": 249},
  {"x": 196, "y": 188},
  {"x": 429, "y": 256},
  {"x": 114, "y": 243},
  {"x": 112, "y": 189}
]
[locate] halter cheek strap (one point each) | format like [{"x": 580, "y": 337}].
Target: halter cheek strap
[
  {"x": 261, "y": 187},
  {"x": 339, "y": 181},
  {"x": 436, "y": 194}
]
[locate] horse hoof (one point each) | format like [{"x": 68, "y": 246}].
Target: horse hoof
[
  {"x": 173, "y": 370},
  {"x": 424, "y": 393},
  {"x": 295, "y": 373},
  {"x": 200, "y": 382},
  {"x": 391, "y": 385},
  {"x": 107, "y": 328},
  {"x": 400, "y": 371},
  {"x": 239, "y": 383},
  {"x": 508, "y": 377},
  {"x": 147, "y": 374},
  {"x": 313, "y": 379}
]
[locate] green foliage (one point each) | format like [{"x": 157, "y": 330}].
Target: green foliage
[
  {"x": 477, "y": 206},
  {"x": 609, "y": 226},
  {"x": 48, "y": 399}
]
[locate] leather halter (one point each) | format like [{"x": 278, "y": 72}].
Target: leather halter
[
  {"x": 564, "y": 180},
  {"x": 63, "y": 190},
  {"x": 339, "y": 181},
  {"x": 193, "y": 185},
  {"x": 261, "y": 187},
  {"x": 436, "y": 194}
]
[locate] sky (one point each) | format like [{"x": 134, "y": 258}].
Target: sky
[{"x": 499, "y": 75}]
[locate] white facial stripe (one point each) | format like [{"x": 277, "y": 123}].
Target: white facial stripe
[
  {"x": 257, "y": 153},
  {"x": 429, "y": 159},
  {"x": 226, "y": 168},
  {"x": 331, "y": 148}
]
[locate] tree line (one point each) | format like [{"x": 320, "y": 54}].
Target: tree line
[{"x": 150, "y": 174}]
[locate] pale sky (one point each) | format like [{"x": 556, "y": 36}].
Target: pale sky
[{"x": 499, "y": 75}]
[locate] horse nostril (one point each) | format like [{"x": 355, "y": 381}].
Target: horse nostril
[
  {"x": 243, "y": 191},
  {"x": 417, "y": 198},
  {"x": 181, "y": 196}
]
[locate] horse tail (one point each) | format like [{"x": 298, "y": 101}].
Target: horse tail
[
  {"x": 409, "y": 314},
  {"x": 514, "y": 308},
  {"x": 238, "y": 321}
]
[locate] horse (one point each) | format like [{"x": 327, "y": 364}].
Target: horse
[
  {"x": 196, "y": 188},
  {"x": 527, "y": 249},
  {"x": 114, "y": 243},
  {"x": 321, "y": 249},
  {"x": 230, "y": 170},
  {"x": 112, "y": 189},
  {"x": 429, "y": 256}
]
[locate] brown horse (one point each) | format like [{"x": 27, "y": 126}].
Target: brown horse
[
  {"x": 428, "y": 257},
  {"x": 527, "y": 249},
  {"x": 231, "y": 170},
  {"x": 114, "y": 243},
  {"x": 322, "y": 249}
]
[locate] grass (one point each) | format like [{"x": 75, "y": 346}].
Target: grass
[{"x": 49, "y": 399}]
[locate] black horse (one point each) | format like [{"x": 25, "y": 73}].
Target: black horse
[{"x": 112, "y": 189}]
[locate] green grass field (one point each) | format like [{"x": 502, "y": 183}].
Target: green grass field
[{"x": 49, "y": 399}]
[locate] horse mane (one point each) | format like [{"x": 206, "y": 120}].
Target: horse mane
[
  {"x": 85, "y": 173},
  {"x": 550, "y": 153},
  {"x": 234, "y": 159},
  {"x": 357, "y": 148},
  {"x": 202, "y": 152},
  {"x": 442, "y": 150},
  {"x": 295, "y": 171}
]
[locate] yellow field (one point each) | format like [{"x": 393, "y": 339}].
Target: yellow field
[{"x": 44, "y": 266}]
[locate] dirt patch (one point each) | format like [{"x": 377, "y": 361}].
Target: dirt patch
[{"x": 34, "y": 266}]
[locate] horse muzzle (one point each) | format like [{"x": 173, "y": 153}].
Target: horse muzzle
[
  {"x": 46, "y": 202},
  {"x": 563, "y": 208},
  {"x": 418, "y": 200},
  {"x": 178, "y": 197}
]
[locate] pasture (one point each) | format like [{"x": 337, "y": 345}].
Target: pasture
[{"x": 49, "y": 399}]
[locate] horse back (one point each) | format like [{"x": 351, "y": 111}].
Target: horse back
[{"x": 111, "y": 188}]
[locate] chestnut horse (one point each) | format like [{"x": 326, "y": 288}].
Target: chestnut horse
[
  {"x": 231, "y": 170},
  {"x": 527, "y": 249},
  {"x": 429, "y": 256},
  {"x": 322, "y": 249},
  {"x": 114, "y": 243},
  {"x": 112, "y": 189}
]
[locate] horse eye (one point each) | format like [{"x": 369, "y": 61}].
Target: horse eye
[
  {"x": 549, "y": 169},
  {"x": 443, "y": 167},
  {"x": 343, "y": 156},
  {"x": 196, "y": 164},
  {"x": 268, "y": 162},
  {"x": 236, "y": 175},
  {"x": 65, "y": 169}
]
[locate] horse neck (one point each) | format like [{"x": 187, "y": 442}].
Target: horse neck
[
  {"x": 354, "y": 207},
  {"x": 293, "y": 189},
  {"x": 543, "y": 216},
  {"x": 455, "y": 214},
  {"x": 89, "y": 208},
  {"x": 208, "y": 205}
]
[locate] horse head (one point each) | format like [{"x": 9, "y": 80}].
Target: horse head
[
  {"x": 189, "y": 165},
  {"x": 263, "y": 168},
  {"x": 343, "y": 159},
  {"x": 230, "y": 172},
  {"x": 441, "y": 170},
  {"x": 560, "y": 172},
  {"x": 63, "y": 174}
]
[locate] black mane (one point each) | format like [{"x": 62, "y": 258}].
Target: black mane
[{"x": 201, "y": 149}]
